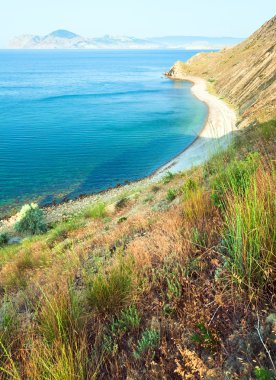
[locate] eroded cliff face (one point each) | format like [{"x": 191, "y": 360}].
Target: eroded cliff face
[{"x": 245, "y": 74}]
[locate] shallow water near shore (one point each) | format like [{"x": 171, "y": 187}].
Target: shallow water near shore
[{"x": 78, "y": 122}]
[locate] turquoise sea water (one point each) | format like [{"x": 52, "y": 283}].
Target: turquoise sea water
[{"x": 77, "y": 122}]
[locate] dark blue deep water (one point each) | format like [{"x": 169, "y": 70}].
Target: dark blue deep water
[{"x": 77, "y": 122}]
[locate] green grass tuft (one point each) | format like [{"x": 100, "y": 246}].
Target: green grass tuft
[
  {"x": 171, "y": 194},
  {"x": 109, "y": 290},
  {"x": 96, "y": 211},
  {"x": 168, "y": 177},
  {"x": 250, "y": 231}
]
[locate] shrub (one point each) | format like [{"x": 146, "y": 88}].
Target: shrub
[
  {"x": 122, "y": 219},
  {"x": 149, "y": 340},
  {"x": 189, "y": 186},
  {"x": 155, "y": 189},
  {"x": 121, "y": 203},
  {"x": 167, "y": 177},
  {"x": 171, "y": 194},
  {"x": 148, "y": 198},
  {"x": 4, "y": 238},
  {"x": 174, "y": 289},
  {"x": 30, "y": 220},
  {"x": 267, "y": 130}
]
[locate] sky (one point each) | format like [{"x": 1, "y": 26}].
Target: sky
[{"x": 139, "y": 18}]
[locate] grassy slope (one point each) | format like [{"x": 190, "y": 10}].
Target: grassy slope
[
  {"x": 174, "y": 281},
  {"x": 169, "y": 283}
]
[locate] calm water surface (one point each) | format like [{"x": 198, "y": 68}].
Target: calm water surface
[{"x": 77, "y": 122}]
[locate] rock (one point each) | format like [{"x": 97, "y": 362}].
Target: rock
[
  {"x": 111, "y": 209},
  {"x": 15, "y": 240}
]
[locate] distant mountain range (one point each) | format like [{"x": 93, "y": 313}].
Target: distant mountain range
[{"x": 64, "y": 39}]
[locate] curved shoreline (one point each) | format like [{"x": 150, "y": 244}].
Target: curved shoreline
[{"x": 215, "y": 134}]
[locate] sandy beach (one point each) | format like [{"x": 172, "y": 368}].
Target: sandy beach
[{"x": 215, "y": 134}]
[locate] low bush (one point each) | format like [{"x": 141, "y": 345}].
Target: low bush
[
  {"x": 167, "y": 177},
  {"x": 4, "y": 238},
  {"x": 171, "y": 194},
  {"x": 189, "y": 186},
  {"x": 122, "y": 219},
  {"x": 148, "y": 341},
  {"x": 264, "y": 374},
  {"x": 121, "y": 203},
  {"x": 30, "y": 220},
  {"x": 128, "y": 320}
]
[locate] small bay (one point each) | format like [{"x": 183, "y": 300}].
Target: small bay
[{"x": 80, "y": 121}]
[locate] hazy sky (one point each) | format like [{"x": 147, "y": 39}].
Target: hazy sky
[{"x": 141, "y": 18}]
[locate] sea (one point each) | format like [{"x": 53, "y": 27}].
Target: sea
[{"x": 77, "y": 122}]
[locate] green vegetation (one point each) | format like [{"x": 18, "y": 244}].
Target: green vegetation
[
  {"x": 168, "y": 177},
  {"x": 96, "y": 211},
  {"x": 30, "y": 220},
  {"x": 203, "y": 336},
  {"x": 263, "y": 374},
  {"x": 171, "y": 194},
  {"x": 148, "y": 341},
  {"x": 121, "y": 203},
  {"x": 161, "y": 289},
  {"x": 60, "y": 230},
  {"x": 250, "y": 231},
  {"x": 128, "y": 320},
  {"x": 4, "y": 238},
  {"x": 107, "y": 292},
  {"x": 235, "y": 178}
]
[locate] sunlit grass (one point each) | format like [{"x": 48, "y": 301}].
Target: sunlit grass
[{"x": 250, "y": 232}]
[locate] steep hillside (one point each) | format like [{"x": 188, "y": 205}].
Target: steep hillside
[
  {"x": 172, "y": 280},
  {"x": 245, "y": 74}
]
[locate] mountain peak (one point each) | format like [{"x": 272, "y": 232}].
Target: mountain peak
[{"x": 62, "y": 33}]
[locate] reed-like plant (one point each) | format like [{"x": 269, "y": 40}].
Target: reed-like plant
[
  {"x": 249, "y": 231},
  {"x": 110, "y": 289}
]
